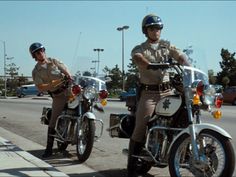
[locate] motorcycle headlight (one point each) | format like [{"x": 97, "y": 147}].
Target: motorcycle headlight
[
  {"x": 209, "y": 95},
  {"x": 90, "y": 92}
]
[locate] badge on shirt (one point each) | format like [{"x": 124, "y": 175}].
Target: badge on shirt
[{"x": 55, "y": 71}]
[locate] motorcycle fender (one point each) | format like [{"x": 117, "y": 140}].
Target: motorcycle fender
[
  {"x": 200, "y": 127},
  {"x": 89, "y": 115}
]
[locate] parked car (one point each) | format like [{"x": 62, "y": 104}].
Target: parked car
[
  {"x": 131, "y": 92},
  {"x": 218, "y": 88},
  {"x": 229, "y": 95},
  {"x": 26, "y": 90}
]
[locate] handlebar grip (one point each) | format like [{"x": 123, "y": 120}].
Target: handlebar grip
[{"x": 156, "y": 66}]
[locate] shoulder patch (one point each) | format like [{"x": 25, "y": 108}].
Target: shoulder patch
[{"x": 164, "y": 43}]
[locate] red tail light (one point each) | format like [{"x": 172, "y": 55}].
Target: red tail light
[
  {"x": 103, "y": 94},
  {"x": 200, "y": 88},
  {"x": 219, "y": 101},
  {"x": 76, "y": 89}
]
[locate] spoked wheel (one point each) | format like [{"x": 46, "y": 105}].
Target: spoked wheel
[
  {"x": 216, "y": 156},
  {"x": 85, "y": 139}
]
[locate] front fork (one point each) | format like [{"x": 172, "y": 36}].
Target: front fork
[
  {"x": 90, "y": 116},
  {"x": 192, "y": 131}
]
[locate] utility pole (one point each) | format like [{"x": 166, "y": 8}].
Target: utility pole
[{"x": 4, "y": 58}]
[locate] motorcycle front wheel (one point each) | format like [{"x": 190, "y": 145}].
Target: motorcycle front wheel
[
  {"x": 85, "y": 139},
  {"x": 216, "y": 155}
]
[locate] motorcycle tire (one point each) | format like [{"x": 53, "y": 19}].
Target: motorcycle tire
[
  {"x": 214, "y": 146},
  {"x": 85, "y": 139}
]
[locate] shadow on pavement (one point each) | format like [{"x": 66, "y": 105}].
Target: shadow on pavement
[
  {"x": 107, "y": 173},
  {"x": 61, "y": 159}
]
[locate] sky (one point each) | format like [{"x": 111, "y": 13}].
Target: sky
[{"x": 71, "y": 30}]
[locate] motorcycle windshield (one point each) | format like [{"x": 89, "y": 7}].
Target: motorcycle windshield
[
  {"x": 191, "y": 78},
  {"x": 88, "y": 81},
  {"x": 192, "y": 74}
]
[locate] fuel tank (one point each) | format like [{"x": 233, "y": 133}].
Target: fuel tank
[{"x": 168, "y": 105}]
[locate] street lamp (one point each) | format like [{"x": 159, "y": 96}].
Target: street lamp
[
  {"x": 98, "y": 50},
  {"x": 123, "y": 72},
  {"x": 5, "y": 79}
]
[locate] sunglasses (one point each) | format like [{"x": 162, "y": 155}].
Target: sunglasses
[
  {"x": 37, "y": 52},
  {"x": 155, "y": 27}
]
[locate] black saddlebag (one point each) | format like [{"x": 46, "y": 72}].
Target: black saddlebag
[
  {"x": 46, "y": 115},
  {"x": 121, "y": 125}
]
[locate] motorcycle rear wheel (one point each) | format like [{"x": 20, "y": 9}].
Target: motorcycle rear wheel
[
  {"x": 216, "y": 150},
  {"x": 85, "y": 139}
]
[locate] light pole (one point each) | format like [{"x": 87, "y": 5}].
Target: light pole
[
  {"x": 98, "y": 50},
  {"x": 94, "y": 73},
  {"x": 95, "y": 61},
  {"x": 123, "y": 45},
  {"x": 5, "y": 79}
]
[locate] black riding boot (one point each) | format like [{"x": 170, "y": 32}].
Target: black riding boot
[
  {"x": 134, "y": 149},
  {"x": 48, "y": 151}
]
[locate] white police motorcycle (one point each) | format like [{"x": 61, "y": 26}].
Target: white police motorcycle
[
  {"x": 77, "y": 123},
  {"x": 176, "y": 137}
]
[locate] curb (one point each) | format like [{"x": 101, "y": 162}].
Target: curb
[{"x": 19, "y": 162}]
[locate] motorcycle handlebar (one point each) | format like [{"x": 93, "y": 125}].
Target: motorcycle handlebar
[
  {"x": 156, "y": 66},
  {"x": 65, "y": 80}
]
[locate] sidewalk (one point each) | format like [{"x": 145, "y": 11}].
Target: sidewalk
[
  {"x": 16, "y": 162},
  {"x": 16, "y": 159}
]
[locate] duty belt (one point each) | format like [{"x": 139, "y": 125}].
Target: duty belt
[
  {"x": 59, "y": 90},
  {"x": 159, "y": 88}
]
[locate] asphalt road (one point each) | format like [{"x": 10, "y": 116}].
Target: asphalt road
[{"x": 22, "y": 116}]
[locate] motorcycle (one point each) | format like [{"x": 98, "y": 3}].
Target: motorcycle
[
  {"x": 176, "y": 136},
  {"x": 77, "y": 123}
]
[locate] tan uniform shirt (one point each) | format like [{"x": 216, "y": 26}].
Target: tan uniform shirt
[
  {"x": 157, "y": 53},
  {"x": 53, "y": 71}
]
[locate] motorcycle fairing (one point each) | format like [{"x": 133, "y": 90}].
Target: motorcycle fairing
[{"x": 168, "y": 105}]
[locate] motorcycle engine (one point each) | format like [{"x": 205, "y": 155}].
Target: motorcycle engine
[{"x": 158, "y": 136}]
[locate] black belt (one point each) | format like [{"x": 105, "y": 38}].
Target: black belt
[
  {"x": 159, "y": 88},
  {"x": 59, "y": 90}
]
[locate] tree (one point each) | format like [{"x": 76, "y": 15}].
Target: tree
[
  {"x": 227, "y": 76},
  {"x": 22, "y": 80},
  {"x": 87, "y": 73},
  {"x": 132, "y": 76},
  {"x": 188, "y": 51},
  {"x": 116, "y": 78},
  {"x": 12, "y": 82},
  {"x": 12, "y": 70},
  {"x": 212, "y": 78}
]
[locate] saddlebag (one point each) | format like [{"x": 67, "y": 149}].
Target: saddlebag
[
  {"x": 46, "y": 115},
  {"x": 121, "y": 125}
]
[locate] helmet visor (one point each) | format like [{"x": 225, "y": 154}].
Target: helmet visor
[
  {"x": 154, "y": 21},
  {"x": 37, "y": 49}
]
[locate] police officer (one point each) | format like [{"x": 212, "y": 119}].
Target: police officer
[
  {"x": 46, "y": 76},
  {"x": 154, "y": 84}
]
